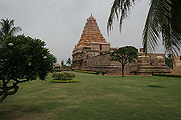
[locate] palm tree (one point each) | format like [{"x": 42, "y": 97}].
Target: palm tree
[
  {"x": 163, "y": 23},
  {"x": 7, "y": 29}
]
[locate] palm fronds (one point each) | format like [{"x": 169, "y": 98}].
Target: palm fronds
[
  {"x": 119, "y": 7},
  {"x": 163, "y": 23},
  {"x": 7, "y": 29},
  {"x": 158, "y": 15},
  {"x": 171, "y": 32}
]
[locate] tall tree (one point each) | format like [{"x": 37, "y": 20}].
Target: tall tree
[
  {"x": 69, "y": 61},
  {"x": 163, "y": 22},
  {"x": 7, "y": 29},
  {"x": 62, "y": 63},
  {"x": 125, "y": 55},
  {"x": 22, "y": 59}
]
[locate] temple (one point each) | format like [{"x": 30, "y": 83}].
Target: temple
[
  {"x": 177, "y": 65},
  {"x": 92, "y": 43},
  {"x": 92, "y": 53}
]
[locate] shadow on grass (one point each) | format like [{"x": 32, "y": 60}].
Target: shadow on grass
[
  {"x": 156, "y": 86},
  {"x": 15, "y": 111}
]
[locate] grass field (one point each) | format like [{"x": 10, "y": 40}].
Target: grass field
[{"x": 96, "y": 98}]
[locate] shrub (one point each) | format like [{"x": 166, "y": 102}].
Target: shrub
[
  {"x": 91, "y": 72},
  {"x": 63, "y": 76},
  {"x": 98, "y": 72},
  {"x": 65, "y": 81},
  {"x": 102, "y": 72},
  {"x": 88, "y": 72},
  {"x": 166, "y": 75}
]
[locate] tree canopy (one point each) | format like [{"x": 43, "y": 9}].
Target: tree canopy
[
  {"x": 22, "y": 59},
  {"x": 62, "y": 63},
  {"x": 125, "y": 55},
  {"x": 69, "y": 62}
]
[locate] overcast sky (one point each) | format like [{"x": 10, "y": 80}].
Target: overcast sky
[{"x": 60, "y": 22}]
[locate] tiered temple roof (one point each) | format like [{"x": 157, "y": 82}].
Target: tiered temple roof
[{"x": 91, "y": 33}]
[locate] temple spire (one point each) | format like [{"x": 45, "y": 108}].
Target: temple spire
[{"x": 91, "y": 33}]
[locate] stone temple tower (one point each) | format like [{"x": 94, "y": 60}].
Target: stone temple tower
[
  {"x": 92, "y": 43},
  {"x": 92, "y": 53}
]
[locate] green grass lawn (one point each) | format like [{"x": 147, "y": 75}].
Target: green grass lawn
[{"x": 96, "y": 98}]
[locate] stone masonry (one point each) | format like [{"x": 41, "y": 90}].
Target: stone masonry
[
  {"x": 177, "y": 65},
  {"x": 92, "y": 53}
]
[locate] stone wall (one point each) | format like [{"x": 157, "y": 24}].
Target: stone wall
[
  {"x": 153, "y": 62},
  {"x": 145, "y": 65},
  {"x": 177, "y": 66},
  {"x": 104, "y": 63}
]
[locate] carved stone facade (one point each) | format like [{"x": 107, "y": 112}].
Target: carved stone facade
[
  {"x": 153, "y": 62},
  {"x": 92, "y": 53},
  {"x": 92, "y": 43},
  {"x": 177, "y": 65}
]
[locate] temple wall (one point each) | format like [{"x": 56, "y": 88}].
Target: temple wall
[
  {"x": 95, "y": 47},
  {"x": 177, "y": 66},
  {"x": 77, "y": 56},
  {"x": 142, "y": 66},
  {"x": 103, "y": 63},
  {"x": 99, "y": 46},
  {"x": 101, "y": 60},
  {"x": 106, "y": 47}
]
